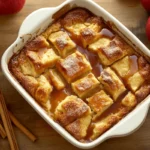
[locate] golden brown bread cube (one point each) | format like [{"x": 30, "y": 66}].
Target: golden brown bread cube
[
  {"x": 99, "y": 102},
  {"x": 75, "y": 16},
  {"x": 43, "y": 92},
  {"x": 90, "y": 33},
  {"x": 94, "y": 23},
  {"x": 102, "y": 42},
  {"x": 39, "y": 88},
  {"x": 111, "y": 83},
  {"x": 83, "y": 26},
  {"x": 29, "y": 83},
  {"x": 62, "y": 43},
  {"x": 103, "y": 125},
  {"x": 104, "y": 39},
  {"x": 26, "y": 66},
  {"x": 38, "y": 43},
  {"x": 129, "y": 100},
  {"x": 85, "y": 86},
  {"x": 88, "y": 36},
  {"x": 143, "y": 92},
  {"x": 74, "y": 20},
  {"x": 110, "y": 54},
  {"x": 122, "y": 67},
  {"x": 70, "y": 109},
  {"x": 127, "y": 66},
  {"x": 75, "y": 29},
  {"x": 56, "y": 79},
  {"x": 42, "y": 59},
  {"x": 56, "y": 26},
  {"x": 79, "y": 127},
  {"x": 135, "y": 81},
  {"x": 35, "y": 62},
  {"x": 73, "y": 66},
  {"x": 109, "y": 50}
]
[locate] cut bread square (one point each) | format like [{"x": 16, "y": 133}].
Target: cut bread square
[
  {"x": 99, "y": 103},
  {"x": 85, "y": 86},
  {"x": 70, "y": 109},
  {"x": 73, "y": 66},
  {"x": 62, "y": 43},
  {"x": 79, "y": 127},
  {"x": 112, "y": 83},
  {"x": 129, "y": 100},
  {"x": 135, "y": 81},
  {"x": 56, "y": 79}
]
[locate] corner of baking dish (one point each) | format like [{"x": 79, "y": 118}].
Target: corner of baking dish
[{"x": 33, "y": 25}]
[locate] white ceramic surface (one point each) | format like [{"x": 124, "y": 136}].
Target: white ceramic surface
[{"x": 34, "y": 24}]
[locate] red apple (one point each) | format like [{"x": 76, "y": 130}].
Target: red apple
[
  {"x": 11, "y": 6},
  {"x": 146, "y": 4},
  {"x": 148, "y": 29}
]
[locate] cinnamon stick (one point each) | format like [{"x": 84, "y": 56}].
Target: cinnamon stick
[
  {"x": 7, "y": 124},
  {"x": 22, "y": 128},
  {"x": 2, "y": 132}
]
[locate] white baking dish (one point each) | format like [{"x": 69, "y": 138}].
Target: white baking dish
[{"x": 34, "y": 24}]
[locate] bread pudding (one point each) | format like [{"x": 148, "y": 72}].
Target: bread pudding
[{"x": 82, "y": 73}]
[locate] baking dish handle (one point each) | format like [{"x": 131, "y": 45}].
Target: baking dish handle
[
  {"x": 34, "y": 19},
  {"x": 134, "y": 121}
]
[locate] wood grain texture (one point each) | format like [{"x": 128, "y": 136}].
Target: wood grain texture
[{"x": 131, "y": 14}]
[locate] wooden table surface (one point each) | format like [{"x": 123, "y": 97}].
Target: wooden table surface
[{"x": 131, "y": 14}]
